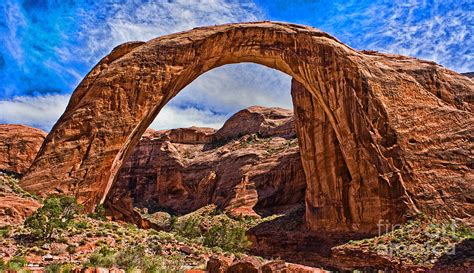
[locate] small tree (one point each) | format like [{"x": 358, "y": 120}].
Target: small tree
[
  {"x": 228, "y": 236},
  {"x": 188, "y": 228},
  {"x": 55, "y": 214}
]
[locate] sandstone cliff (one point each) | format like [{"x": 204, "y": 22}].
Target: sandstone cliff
[{"x": 251, "y": 163}]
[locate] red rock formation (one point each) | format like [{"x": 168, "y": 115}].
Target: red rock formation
[
  {"x": 258, "y": 120},
  {"x": 403, "y": 126},
  {"x": 191, "y": 135},
  {"x": 14, "y": 209},
  {"x": 245, "y": 173},
  {"x": 18, "y": 147},
  {"x": 250, "y": 264},
  {"x": 15, "y": 206}
]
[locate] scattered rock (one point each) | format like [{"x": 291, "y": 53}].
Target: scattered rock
[
  {"x": 219, "y": 264},
  {"x": 247, "y": 264},
  {"x": 48, "y": 257},
  {"x": 278, "y": 266},
  {"x": 186, "y": 250}
]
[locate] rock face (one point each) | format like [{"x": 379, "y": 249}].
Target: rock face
[
  {"x": 252, "y": 162},
  {"x": 402, "y": 126},
  {"x": 266, "y": 122},
  {"x": 18, "y": 147}
]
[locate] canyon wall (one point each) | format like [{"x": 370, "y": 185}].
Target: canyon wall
[{"x": 252, "y": 164}]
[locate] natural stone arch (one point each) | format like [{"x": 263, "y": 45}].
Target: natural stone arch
[{"x": 358, "y": 97}]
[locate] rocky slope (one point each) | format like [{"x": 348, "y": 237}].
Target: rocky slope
[
  {"x": 251, "y": 163},
  {"x": 18, "y": 147},
  {"x": 15, "y": 203}
]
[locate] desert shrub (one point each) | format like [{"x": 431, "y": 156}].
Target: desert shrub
[
  {"x": 59, "y": 268},
  {"x": 134, "y": 258},
  {"x": 55, "y": 214},
  {"x": 81, "y": 225},
  {"x": 71, "y": 249},
  {"x": 4, "y": 232},
  {"x": 228, "y": 236},
  {"x": 103, "y": 257},
  {"x": 131, "y": 257},
  {"x": 99, "y": 212},
  {"x": 188, "y": 228},
  {"x": 15, "y": 264}
]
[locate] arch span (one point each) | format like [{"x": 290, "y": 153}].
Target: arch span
[{"x": 358, "y": 113}]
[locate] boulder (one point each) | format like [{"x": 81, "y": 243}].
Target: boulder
[
  {"x": 249, "y": 264},
  {"x": 218, "y": 264}
]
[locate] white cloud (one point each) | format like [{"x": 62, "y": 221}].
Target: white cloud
[
  {"x": 233, "y": 87},
  {"x": 133, "y": 20},
  {"x": 14, "y": 20},
  {"x": 40, "y": 111},
  {"x": 174, "y": 117},
  {"x": 208, "y": 101},
  {"x": 213, "y": 97}
]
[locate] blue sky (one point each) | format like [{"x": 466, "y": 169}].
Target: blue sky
[{"x": 47, "y": 46}]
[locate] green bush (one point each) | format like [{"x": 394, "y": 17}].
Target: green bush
[
  {"x": 4, "y": 232},
  {"x": 71, "y": 249},
  {"x": 99, "y": 213},
  {"x": 59, "y": 268},
  {"x": 134, "y": 258},
  {"x": 228, "y": 236},
  {"x": 103, "y": 257},
  {"x": 15, "y": 264},
  {"x": 81, "y": 225},
  {"x": 188, "y": 228},
  {"x": 55, "y": 214}
]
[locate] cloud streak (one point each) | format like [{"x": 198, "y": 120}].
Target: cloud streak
[
  {"x": 440, "y": 31},
  {"x": 36, "y": 111},
  {"x": 429, "y": 30}
]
